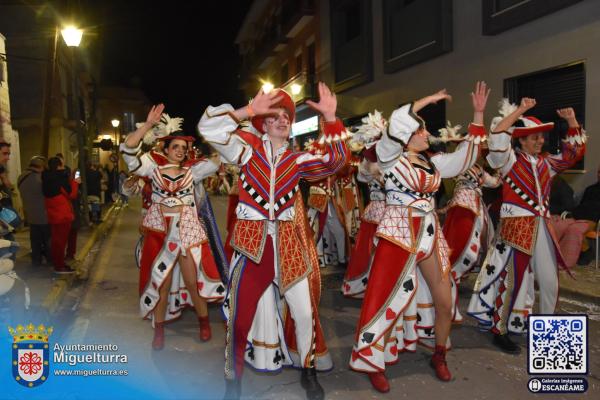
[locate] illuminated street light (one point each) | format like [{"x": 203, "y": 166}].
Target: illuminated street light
[
  {"x": 267, "y": 87},
  {"x": 115, "y": 123},
  {"x": 72, "y": 36},
  {"x": 296, "y": 89}
]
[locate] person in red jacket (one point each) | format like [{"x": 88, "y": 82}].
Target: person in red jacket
[{"x": 59, "y": 189}]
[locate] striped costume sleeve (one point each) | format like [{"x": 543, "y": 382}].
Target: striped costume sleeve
[
  {"x": 315, "y": 167},
  {"x": 465, "y": 155},
  {"x": 573, "y": 149}
]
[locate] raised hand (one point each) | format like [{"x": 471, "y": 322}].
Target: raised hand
[
  {"x": 154, "y": 115},
  {"x": 441, "y": 95},
  {"x": 327, "y": 104},
  {"x": 431, "y": 99},
  {"x": 568, "y": 114},
  {"x": 480, "y": 96},
  {"x": 263, "y": 103},
  {"x": 527, "y": 103}
]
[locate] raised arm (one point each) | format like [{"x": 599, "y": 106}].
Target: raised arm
[
  {"x": 314, "y": 167},
  {"x": 465, "y": 155},
  {"x": 501, "y": 155},
  {"x": 403, "y": 122},
  {"x": 218, "y": 125},
  {"x": 573, "y": 146},
  {"x": 140, "y": 165}
]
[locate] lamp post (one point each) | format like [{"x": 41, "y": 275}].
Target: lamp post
[{"x": 72, "y": 37}]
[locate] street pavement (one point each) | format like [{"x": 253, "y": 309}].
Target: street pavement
[{"x": 104, "y": 309}]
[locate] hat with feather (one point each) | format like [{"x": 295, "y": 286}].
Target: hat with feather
[
  {"x": 167, "y": 129},
  {"x": 368, "y": 133},
  {"x": 524, "y": 126}
]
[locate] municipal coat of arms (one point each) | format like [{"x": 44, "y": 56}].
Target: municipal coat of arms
[{"x": 30, "y": 359}]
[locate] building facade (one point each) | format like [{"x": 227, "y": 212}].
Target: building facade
[{"x": 378, "y": 54}]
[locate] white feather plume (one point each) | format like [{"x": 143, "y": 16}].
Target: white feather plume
[
  {"x": 505, "y": 108},
  {"x": 165, "y": 127},
  {"x": 447, "y": 134},
  {"x": 371, "y": 129}
]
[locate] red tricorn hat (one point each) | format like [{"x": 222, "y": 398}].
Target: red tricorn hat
[
  {"x": 284, "y": 102},
  {"x": 526, "y": 126}
]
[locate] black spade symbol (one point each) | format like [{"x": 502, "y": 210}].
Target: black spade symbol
[
  {"x": 365, "y": 280},
  {"x": 408, "y": 285},
  {"x": 220, "y": 289},
  {"x": 162, "y": 267},
  {"x": 466, "y": 261},
  {"x": 430, "y": 229},
  {"x": 147, "y": 301},
  {"x": 368, "y": 337}
]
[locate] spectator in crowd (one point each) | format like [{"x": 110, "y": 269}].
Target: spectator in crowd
[
  {"x": 94, "y": 191},
  {"x": 122, "y": 179},
  {"x": 5, "y": 184},
  {"x": 103, "y": 184},
  {"x": 30, "y": 186},
  {"x": 59, "y": 189},
  {"x": 561, "y": 196},
  {"x": 589, "y": 206},
  {"x": 76, "y": 203}
]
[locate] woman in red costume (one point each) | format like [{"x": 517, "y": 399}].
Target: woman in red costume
[
  {"x": 397, "y": 310},
  {"x": 177, "y": 267}
]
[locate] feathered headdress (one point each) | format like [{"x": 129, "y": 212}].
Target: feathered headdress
[
  {"x": 505, "y": 108},
  {"x": 163, "y": 129},
  {"x": 371, "y": 129},
  {"x": 447, "y": 134}
]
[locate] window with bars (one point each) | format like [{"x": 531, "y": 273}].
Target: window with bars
[{"x": 554, "y": 88}]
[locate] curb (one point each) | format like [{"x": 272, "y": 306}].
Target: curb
[{"x": 61, "y": 285}]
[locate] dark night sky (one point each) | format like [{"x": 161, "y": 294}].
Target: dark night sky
[{"x": 181, "y": 53}]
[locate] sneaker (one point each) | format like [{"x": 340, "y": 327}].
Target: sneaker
[{"x": 64, "y": 270}]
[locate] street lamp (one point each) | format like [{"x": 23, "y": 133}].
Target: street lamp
[
  {"x": 72, "y": 37},
  {"x": 115, "y": 123}
]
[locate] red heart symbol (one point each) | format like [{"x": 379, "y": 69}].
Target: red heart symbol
[
  {"x": 421, "y": 255},
  {"x": 474, "y": 248},
  {"x": 184, "y": 296},
  {"x": 394, "y": 350},
  {"x": 367, "y": 352},
  {"x": 454, "y": 275},
  {"x": 347, "y": 287},
  {"x": 200, "y": 285},
  {"x": 172, "y": 246},
  {"x": 390, "y": 314},
  {"x": 354, "y": 356}
]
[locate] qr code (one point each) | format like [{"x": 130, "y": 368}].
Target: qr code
[{"x": 557, "y": 344}]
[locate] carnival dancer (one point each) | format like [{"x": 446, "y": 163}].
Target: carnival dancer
[
  {"x": 468, "y": 228},
  {"x": 397, "y": 310},
  {"x": 525, "y": 245},
  {"x": 175, "y": 246},
  {"x": 364, "y": 141},
  {"x": 270, "y": 262},
  {"x": 327, "y": 220}
]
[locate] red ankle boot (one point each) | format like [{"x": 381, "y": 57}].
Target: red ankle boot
[
  {"x": 205, "y": 333},
  {"x": 159, "y": 336},
  {"x": 379, "y": 381},
  {"x": 438, "y": 362}
]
